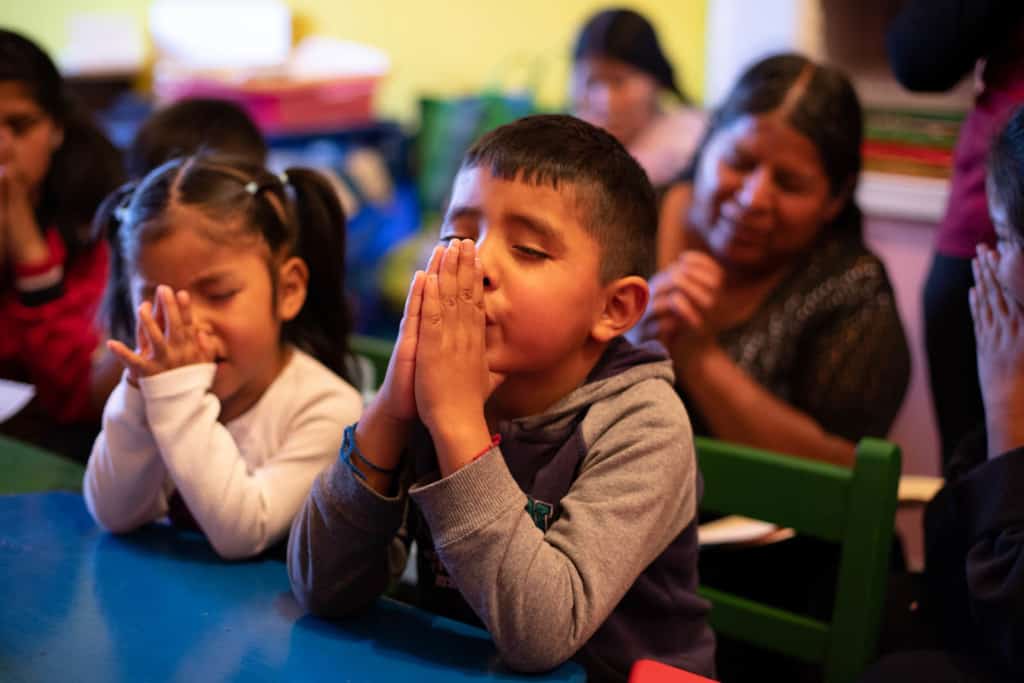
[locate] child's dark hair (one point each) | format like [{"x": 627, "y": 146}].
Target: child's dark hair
[
  {"x": 192, "y": 126},
  {"x": 627, "y": 36},
  {"x": 296, "y": 214},
  {"x": 1006, "y": 169},
  {"x": 86, "y": 167},
  {"x": 827, "y": 112},
  {"x": 617, "y": 199}
]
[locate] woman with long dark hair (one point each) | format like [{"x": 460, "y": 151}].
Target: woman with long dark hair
[{"x": 56, "y": 167}]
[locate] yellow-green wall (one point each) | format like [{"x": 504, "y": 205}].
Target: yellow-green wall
[{"x": 447, "y": 47}]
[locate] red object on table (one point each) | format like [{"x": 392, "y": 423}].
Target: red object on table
[{"x": 650, "y": 671}]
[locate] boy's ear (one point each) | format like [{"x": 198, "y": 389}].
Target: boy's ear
[
  {"x": 292, "y": 280},
  {"x": 624, "y": 303}
]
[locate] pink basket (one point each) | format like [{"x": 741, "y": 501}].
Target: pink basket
[{"x": 279, "y": 106}]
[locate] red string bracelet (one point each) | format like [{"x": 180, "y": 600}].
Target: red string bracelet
[{"x": 495, "y": 440}]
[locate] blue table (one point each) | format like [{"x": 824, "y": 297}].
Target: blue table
[{"x": 79, "y": 604}]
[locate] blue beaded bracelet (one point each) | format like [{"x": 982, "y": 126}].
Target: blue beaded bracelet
[{"x": 349, "y": 448}]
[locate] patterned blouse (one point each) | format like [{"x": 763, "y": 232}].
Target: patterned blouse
[{"x": 828, "y": 341}]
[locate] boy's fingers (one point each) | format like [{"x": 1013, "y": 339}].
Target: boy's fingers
[
  {"x": 414, "y": 299},
  {"x": 447, "y": 278},
  {"x": 409, "y": 327},
  {"x": 495, "y": 379},
  {"x": 434, "y": 264},
  {"x": 994, "y": 293},
  {"x": 466, "y": 277},
  {"x": 976, "y": 314},
  {"x": 981, "y": 295},
  {"x": 430, "y": 311},
  {"x": 478, "y": 283},
  {"x": 470, "y": 319}
]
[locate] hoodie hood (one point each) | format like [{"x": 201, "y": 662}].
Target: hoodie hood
[{"x": 622, "y": 365}]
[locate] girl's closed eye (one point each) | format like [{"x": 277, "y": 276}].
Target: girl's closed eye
[{"x": 221, "y": 295}]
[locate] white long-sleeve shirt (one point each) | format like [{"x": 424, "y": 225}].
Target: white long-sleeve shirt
[{"x": 244, "y": 481}]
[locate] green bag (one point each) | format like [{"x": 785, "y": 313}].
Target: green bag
[{"x": 448, "y": 126}]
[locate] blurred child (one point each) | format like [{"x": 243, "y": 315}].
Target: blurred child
[
  {"x": 192, "y": 126},
  {"x": 620, "y": 74},
  {"x": 974, "y": 527},
  {"x": 548, "y": 462},
  {"x": 55, "y": 168},
  {"x": 235, "y": 395}
]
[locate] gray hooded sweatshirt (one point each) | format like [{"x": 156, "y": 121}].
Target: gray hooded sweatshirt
[{"x": 576, "y": 537}]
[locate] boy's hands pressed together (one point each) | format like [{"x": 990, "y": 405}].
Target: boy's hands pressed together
[
  {"x": 383, "y": 430},
  {"x": 453, "y": 381},
  {"x": 166, "y": 337},
  {"x": 999, "y": 330},
  {"x": 396, "y": 398}
]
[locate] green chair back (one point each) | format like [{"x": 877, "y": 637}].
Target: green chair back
[
  {"x": 853, "y": 507},
  {"x": 377, "y": 351},
  {"x": 27, "y": 469}
]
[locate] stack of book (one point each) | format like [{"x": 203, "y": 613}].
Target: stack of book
[{"x": 916, "y": 143}]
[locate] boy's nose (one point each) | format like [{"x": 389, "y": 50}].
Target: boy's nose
[
  {"x": 483, "y": 252},
  {"x": 6, "y": 145}
]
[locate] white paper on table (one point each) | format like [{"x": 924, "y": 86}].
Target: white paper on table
[
  {"x": 918, "y": 488},
  {"x": 13, "y": 397},
  {"x": 737, "y": 529}
]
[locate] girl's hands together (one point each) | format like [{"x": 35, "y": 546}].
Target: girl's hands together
[{"x": 166, "y": 337}]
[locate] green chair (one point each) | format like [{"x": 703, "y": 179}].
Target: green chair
[
  {"x": 377, "y": 351},
  {"x": 27, "y": 469},
  {"x": 853, "y": 507}
]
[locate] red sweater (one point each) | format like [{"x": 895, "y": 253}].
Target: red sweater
[{"x": 48, "y": 332}]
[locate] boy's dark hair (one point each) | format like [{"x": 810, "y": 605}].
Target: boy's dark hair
[
  {"x": 192, "y": 126},
  {"x": 827, "y": 112},
  {"x": 1006, "y": 169},
  {"x": 296, "y": 214},
  {"x": 615, "y": 196},
  {"x": 86, "y": 167}
]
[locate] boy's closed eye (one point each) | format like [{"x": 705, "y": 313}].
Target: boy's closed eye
[{"x": 531, "y": 252}]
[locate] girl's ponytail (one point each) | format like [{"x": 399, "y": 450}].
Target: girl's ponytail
[
  {"x": 117, "y": 316},
  {"x": 323, "y": 325}
]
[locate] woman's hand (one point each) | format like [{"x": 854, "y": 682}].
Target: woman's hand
[
  {"x": 166, "y": 337},
  {"x": 999, "y": 331},
  {"x": 683, "y": 300},
  {"x": 23, "y": 241}
]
